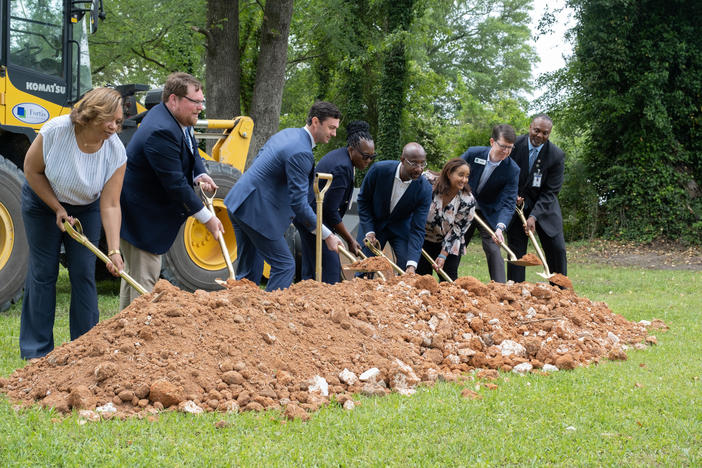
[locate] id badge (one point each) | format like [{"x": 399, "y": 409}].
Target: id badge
[
  {"x": 537, "y": 180},
  {"x": 480, "y": 161}
]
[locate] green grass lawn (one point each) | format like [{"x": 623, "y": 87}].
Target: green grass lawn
[{"x": 644, "y": 411}]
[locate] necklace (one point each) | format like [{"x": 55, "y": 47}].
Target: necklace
[{"x": 83, "y": 142}]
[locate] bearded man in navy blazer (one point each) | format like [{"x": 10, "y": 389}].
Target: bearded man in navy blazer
[
  {"x": 273, "y": 192},
  {"x": 157, "y": 197},
  {"x": 393, "y": 205},
  {"x": 493, "y": 180},
  {"x": 542, "y": 166}
]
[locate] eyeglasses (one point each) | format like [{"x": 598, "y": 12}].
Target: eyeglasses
[
  {"x": 367, "y": 157},
  {"x": 505, "y": 147},
  {"x": 420, "y": 165},
  {"x": 199, "y": 103}
]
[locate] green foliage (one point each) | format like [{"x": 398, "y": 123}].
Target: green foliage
[{"x": 634, "y": 87}]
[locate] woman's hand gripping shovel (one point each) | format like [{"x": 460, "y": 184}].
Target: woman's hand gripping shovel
[
  {"x": 76, "y": 232},
  {"x": 512, "y": 258},
  {"x": 222, "y": 245},
  {"x": 436, "y": 267}
]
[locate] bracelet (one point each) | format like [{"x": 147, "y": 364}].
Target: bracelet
[
  {"x": 112, "y": 252},
  {"x": 441, "y": 256}
]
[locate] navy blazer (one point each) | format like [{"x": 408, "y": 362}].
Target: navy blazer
[
  {"x": 273, "y": 191},
  {"x": 157, "y": 193},
  {"x": 408, "y": 219},
  {"x": 337, "y": 198},
  {"x": 542, "y": 202},
  {"x": 498, "y": 197}
]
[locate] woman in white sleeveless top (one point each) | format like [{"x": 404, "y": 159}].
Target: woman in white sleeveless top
[{"x": 74, "y": 170}]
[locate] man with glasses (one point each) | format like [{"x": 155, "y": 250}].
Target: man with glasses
[
  {"x": 393, "y": 205},
  {"x": 493, "y": 181},
  {"x": 157, "y": 197},
  {"x": 542, "y": 166}
]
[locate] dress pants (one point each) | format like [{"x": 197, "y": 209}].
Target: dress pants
[
  {"x": 450, "y": 264},
  {"x": 496, "y": 265},
  {"x": 39, "y": 303},
  {"x": 143, "y": 266},
  {"x": 331, "y": 265},
  {"x": 553, "y": 247},
  {"x": 253, "y": 248}
]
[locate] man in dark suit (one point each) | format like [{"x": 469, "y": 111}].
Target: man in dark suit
[
  {"x": 393, "y": 205},
  {"x": 273, "y": 192},
  {"x": 542, "y": 165},
  {"x": 157, "y": 197},
  {"x": 358, "y": 153},
  {"x": 493, "y": 180}
]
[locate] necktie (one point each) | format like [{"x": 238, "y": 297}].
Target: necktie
[{"x": 532, "y": 157}]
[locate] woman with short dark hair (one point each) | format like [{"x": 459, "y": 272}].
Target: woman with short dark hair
[{"x": 74, "y": 170}]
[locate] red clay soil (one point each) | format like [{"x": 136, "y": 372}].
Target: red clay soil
[
  {"x": 371, "y": 264},
  {"x": 244, "y": 349},
  {"x": 561, "y": 280},
  {"x": 531, "y": 259}
]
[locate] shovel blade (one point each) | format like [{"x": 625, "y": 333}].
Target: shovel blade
[{"x": 545, "y": 276}]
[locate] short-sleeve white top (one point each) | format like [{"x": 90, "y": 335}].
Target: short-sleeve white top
[{"x": 77, "y": 178}]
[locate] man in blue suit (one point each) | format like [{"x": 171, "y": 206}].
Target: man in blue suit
[
  {"x": 273, "y": 192},
  {"x": 341, "y": 164},
  {"x": 157, "y": 197},
  {"x": 494, "y": 178},
  {"x": 393, "y": 205}
]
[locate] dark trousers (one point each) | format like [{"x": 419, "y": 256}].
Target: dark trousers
[
  {"x": 253, "y": 248},
  {"x": 39, "y": 304},
  {"x": 450, "y": 265},
  {"x": 553, "y": 247},
  {"x": 331, "y": 265},
  {"x": 496, "y": 265}
]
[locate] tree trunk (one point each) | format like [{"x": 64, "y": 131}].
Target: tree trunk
[
  {"x": 270, "y": 73},
  {"x": 223, "y": 68}
]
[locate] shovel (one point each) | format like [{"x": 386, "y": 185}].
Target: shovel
[
  {"x": 76, "y": 232},
  {"x": 379, "y": 253},
  {"x": 546, "y": 273},
  {"x": 319, "y": 196},
  {"x": 433, "y": 263},
  {"x": 222, "y": 244},
  {"x": 353, "y": 258},
  {"x": 512, "y": 258}
]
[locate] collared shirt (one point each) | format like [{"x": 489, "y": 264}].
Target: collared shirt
[
  {"x": 311, "y": 137},
  {"x": 487, "y": 171},
  {"x": 449, "y": 224},
  {"x": 399, "y": 187}
]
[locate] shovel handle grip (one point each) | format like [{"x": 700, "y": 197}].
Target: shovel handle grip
[{"x": 492, "y": 233}]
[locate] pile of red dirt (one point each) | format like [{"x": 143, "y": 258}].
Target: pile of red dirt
[{"x": 242, "y": 348}]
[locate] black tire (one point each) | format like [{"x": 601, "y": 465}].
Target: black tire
[
  {"x": 14, "y": 250},
  {"x": 178, "y": 266}
]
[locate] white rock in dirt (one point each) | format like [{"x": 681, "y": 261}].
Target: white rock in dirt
[
  {"x": 348, "y": 377},
  {"x": 190, "y": 407},
  {"x": 612, "y": 337},
  {"x": 89, "y": 415},
  {"x": 509, "y": 347},
  {"x": 433, "y": 322},
  {"x": 231, "y": 407},
  {"x": 494, "y": 321},
  {"x": 106, "y": 409},
  {"x": 645, "y": 323},
  {"x": 370, "y": 375},
  {"x": 523, "y": 368},
  {"x": 349, "y": 405},
  {"x": 530, "y": 313},
  {"x": 526, "y": 292},
  {"x": 319, "y": 385},
  {"x": 549, "y": 368},
  {"x": 403, "y": 378}
]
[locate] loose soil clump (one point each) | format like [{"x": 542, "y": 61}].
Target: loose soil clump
[
  {"x": 531, "y": 259},
  {"x": 371, "y": 264},
  {"x": 243, "y": 349}
]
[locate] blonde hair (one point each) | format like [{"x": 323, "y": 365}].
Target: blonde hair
[{"x": 99, "y": 104}]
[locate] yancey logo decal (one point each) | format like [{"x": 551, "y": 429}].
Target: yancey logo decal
[{"x": 30, "y": 113}]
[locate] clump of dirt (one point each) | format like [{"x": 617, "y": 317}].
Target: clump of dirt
[
  {"x": 242, "y": 349},
  {"x": 370, "y": 264},
  {"x": 531, "y": 259},
  {"x": 561, "y": 280}
]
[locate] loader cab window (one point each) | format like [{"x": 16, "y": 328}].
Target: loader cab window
[
  {"x": 36, "y": 35},
  {"x": 80, "y": 63}
]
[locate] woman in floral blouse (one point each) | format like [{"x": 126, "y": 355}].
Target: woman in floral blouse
[{"x": 450, "y": 214}]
